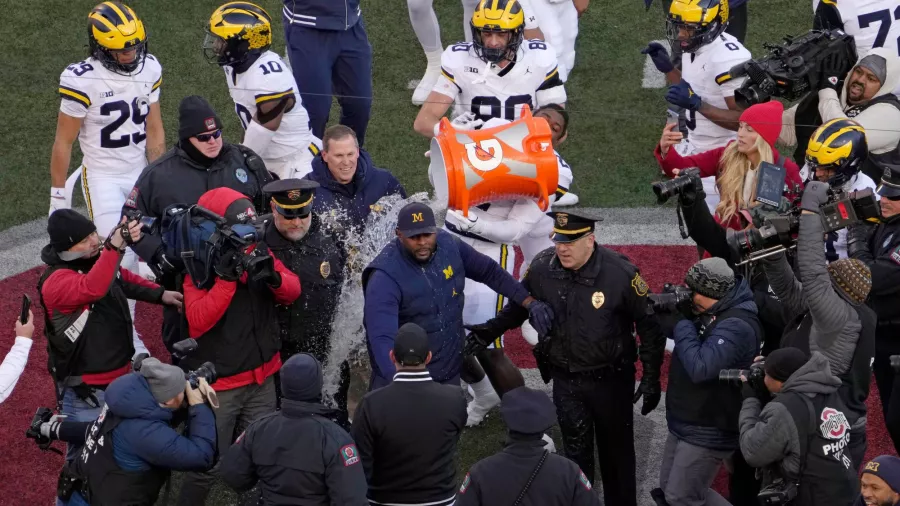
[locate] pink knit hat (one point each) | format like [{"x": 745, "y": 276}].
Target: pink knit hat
[{"x": 765, "y": 119}]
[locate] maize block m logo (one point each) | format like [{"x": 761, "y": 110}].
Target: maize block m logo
[
  {"x": 417, "y": 218},
  {"x": 448, "y": 272}
]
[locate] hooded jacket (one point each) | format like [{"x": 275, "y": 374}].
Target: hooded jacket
[
  {"x": 728, "y": 337},
  {"x": 350, "y": 204},
  {"x": 833, "y": 325},
  {"x": 879, "y": 120},
  {"x": 235, "y": 322}
]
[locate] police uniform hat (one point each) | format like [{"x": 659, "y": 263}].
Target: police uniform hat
[
  {"x": 570, "y": 225},
  {"x": 292, "y": 197},
  {"x": 889, "y": 186}
]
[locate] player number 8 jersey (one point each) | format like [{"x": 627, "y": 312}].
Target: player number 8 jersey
[{"x": 114, "y": 109}]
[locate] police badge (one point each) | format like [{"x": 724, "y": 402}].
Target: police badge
[
  {"x": 325, "y": 269},
  {"x": 562, "y": 219},
  {"x": 598, "y": 299}
]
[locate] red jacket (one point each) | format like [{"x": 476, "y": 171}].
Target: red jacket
[
  {"x": 204, "y": 308},
  {"x": 708, "y": 163}
]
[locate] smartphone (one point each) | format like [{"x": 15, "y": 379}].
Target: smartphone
[
  {"x": 770, "y": 184},
  {"x": 26, "y": 306}
]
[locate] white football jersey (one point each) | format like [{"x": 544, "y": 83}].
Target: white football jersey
[
  {"x": 492, "y": 92},
  {"x": 565, "y": 177},
  {"x": 872, "y": 23},
  {"x": 114, "y": 108},
  {"x": 708, "y": 72},
  {"x": 269, "y": 78}
]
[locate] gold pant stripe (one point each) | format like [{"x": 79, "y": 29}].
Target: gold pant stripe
[
  {"x": 87, "y": 192},
  {"x": 504, "y": 258}
]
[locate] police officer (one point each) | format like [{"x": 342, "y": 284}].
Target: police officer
[
  {"x": 597, "y": 298},
  {"x": 525, "y": 470},
  {"x": 296, "y": 236},
  {"x": 201, "y": 160},
  {"x": 297, "y": 455},
  {"x": 879, "y": 248}
]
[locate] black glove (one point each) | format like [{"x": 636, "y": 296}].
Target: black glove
[
  {"x": 858, "y": 238},
  {"x": 660, "y": 57},
  {"x": 832, "y": 72},
  {"x": 540, "y": 315},
  {"x": 228, "y": 267},
  {"x": 480, "y": 337},
  {"x": 815, "y": 195},
  {"x": 263, "y": 269},
  {"x": 651, "y": 391}
]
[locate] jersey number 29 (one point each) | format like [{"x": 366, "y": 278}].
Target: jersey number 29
[{"x": 136, "y": 111}]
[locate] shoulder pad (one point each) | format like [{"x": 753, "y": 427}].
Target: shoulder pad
[{"x": 456, "y": 54}]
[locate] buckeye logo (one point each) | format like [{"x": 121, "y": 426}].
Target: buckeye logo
[{"x": 834, "y": 424}]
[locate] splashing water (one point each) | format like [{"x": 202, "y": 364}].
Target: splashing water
[{"x": 348, "y": 336}]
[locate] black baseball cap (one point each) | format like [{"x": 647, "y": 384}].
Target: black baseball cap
[
  {"x": 416, "y": 218},
  {"x": 411, "y": 345},
  {"x": 572, "y": 225},
  {"x": 890, "y": 182},
  {"x": 292, "y": 197}
]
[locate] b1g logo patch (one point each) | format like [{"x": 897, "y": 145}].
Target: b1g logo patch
[
  {"x": 465, "y": 484},
  {"x": 584, "y": 481},
  {"x": 350, "y": 455},
  {"x": 639, "y": 285}
]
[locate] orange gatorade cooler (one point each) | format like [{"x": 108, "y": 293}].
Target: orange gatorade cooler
[{"x": 512, "y": 161}]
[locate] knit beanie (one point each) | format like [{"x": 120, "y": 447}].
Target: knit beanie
[
  {"x": 166, "y": 381},
  {"x": 886, "y": 467},
  {"x": 765, "y": 119},
  {"x": 851, "y": 278},
  {"x": 875, "y": 64},
  {"x": 710, "y": 277},
  {"x": 301, "y": 378},
  {"x": 783, "y": 362},
  {"x": 196, "y": 116},
  {"x": 67, "y": 228}
]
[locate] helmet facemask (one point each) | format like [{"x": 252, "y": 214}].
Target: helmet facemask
[
  {"x": 219, "y": 51},
  {"x": 700, "y": 35},
  {"x": 497, "y": 55}
]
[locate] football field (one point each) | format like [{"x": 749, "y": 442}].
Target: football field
[{"x": 615, "y": 121}]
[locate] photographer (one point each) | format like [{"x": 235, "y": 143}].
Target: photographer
[
  {"x": 84, "y": 296},
  {"x": 132, "y": 447},
  {"x": 800, "y": 436},
  {"x": 826, "y": 311},
  {"x": 17, "y": 358},
  {"x": 721, "y": 331},
  {"x": 201, "y": 160},
  {"x": 235, "y": 323},
  {"x": 879, "y": 248},
  {"x": 734, "y": 166},
  {"x": 864, "y": 94}
]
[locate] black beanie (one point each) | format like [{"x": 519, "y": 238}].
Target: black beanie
[
  {"x": 196, "y": 116},
  {"x": 301, "y": 378},
  {"x": 783, "y": 362},
  {"x": 67, "y": 228}
]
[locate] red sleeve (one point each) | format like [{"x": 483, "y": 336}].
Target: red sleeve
[
  {"x": 289, "y": 289},
  {"x": 204, "y": 308},
  {"x": 707, "y": 161},
  {"x": 136, "y": 279},
  {"x": 67, "y": 290}
]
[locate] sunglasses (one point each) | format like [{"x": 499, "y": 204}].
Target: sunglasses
[
  {"x": 207, "y": 137},
  {"x": 895, "y": 198}
]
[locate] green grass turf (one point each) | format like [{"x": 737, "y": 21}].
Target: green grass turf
[{"x": 614, "y": 121}]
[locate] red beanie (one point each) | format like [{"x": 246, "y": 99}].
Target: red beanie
[
  {"x": 232, "y": 205},
  {"x": 766, "y": 120}
]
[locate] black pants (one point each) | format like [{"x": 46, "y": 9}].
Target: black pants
[
  {"x": 595, "y": 405},
  {"x": 888, "y": 383},
  {"x": 743, "y": 486}
]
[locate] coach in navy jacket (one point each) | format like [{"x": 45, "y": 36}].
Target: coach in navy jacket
[
  {"x": 345, "y": 192},
  {"x": 419, "y": 278}
]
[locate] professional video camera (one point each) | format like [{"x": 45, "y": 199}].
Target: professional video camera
[
  {"x": 180, "y": 350},
  {"x": 670, "y": 299},
  {"x": 779, "y": 233},
  {"x": 196, "y": 238},
  {"x": 791, "y": 70},
  {"x": 778, "y": 493}
]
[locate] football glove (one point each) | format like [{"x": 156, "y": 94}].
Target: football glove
[
  {"x": 467, "y": 121},
  {"x": 660, "y": 57},
  {"x": 683, "y": 95},
  {"x": 480, "y": 337},
  {"x": 462, "y": 223}
]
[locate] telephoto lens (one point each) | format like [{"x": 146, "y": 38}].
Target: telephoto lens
[
  {"x": 733, "y": 375},
  {"x": 665, "y": 190}
]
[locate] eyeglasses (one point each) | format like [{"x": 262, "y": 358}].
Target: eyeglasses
[{"x": 207, "y": 137}]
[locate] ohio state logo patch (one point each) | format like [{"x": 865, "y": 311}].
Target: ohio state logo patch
[
  {"x": 584, "y": 481},
  {"x": 465, "y": 484},
  {"x": 350, "y": 455},
  {"x": 834, "y": 424}
]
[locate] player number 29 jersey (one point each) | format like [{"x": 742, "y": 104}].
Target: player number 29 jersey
[
  {"x": 114, "y": 109},
  {"x": 491, "y": 92},
  {"x": 269, "y": 79}
]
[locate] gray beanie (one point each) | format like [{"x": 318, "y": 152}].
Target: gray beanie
[
  {"x": 710, "y": 277},
  {"x": 875, "y": 64},
  {"x": 166, "y": 381}
]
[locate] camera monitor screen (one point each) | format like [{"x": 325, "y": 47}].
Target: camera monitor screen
[{"x": 770, "y": 184}]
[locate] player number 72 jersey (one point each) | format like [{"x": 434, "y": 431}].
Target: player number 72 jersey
[
  {"x": 114, "y": 110},
  {"x": 491, "y": 92}
]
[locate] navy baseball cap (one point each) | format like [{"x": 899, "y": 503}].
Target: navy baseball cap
[{"x": 416, "y": 218}]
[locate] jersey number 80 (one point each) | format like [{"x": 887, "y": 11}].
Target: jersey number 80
[{"x": 497, "y": 109}]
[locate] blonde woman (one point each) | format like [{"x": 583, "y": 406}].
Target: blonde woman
[{"x": 734, "y": 166}]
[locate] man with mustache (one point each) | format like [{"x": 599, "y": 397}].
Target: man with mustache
[{"x": 865, "y": 95}]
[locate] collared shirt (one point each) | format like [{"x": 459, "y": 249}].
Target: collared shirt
[{"x": 413, "y": 376}]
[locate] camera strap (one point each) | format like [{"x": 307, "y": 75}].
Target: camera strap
[{"x": 678, "y": 213}]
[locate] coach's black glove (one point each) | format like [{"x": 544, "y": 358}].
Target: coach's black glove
[
  {"x": 480, "y": 337},
  {"x": 228, "y": 267},
  {"x": 651, "y": 391}
]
